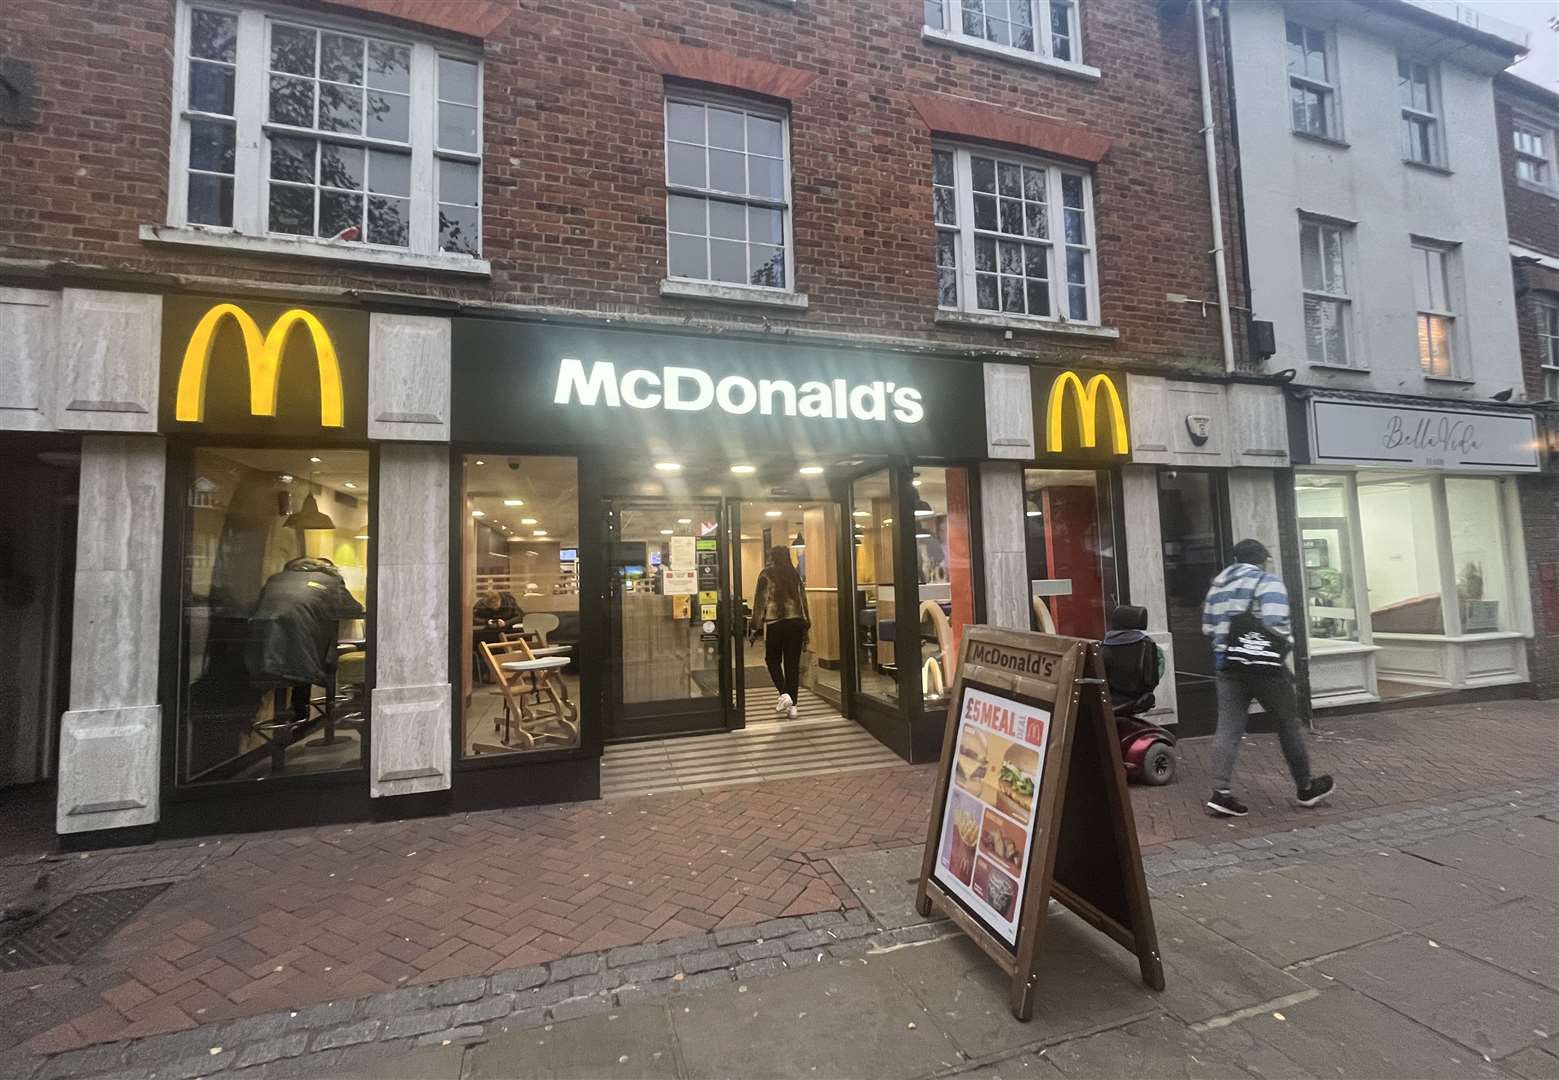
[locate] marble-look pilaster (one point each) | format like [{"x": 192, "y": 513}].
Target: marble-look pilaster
[
  {"x": 1009, "y": 412},
  {"x": 1253, "y": 512},
  {"x": 408, "y": 377},
  {"x": 412, "y": 743},
  {"x": 29, "y": 335},
  {"x": 1258, "y": 417},
  {"x": 1002, "y": 542},
  {"x": 110, "y": 350},
  {"x": 110, "y": 738},
  {"x": 1145, "y": 571}
]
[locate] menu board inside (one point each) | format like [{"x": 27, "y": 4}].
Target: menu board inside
[{"x": 988, "y": 821}]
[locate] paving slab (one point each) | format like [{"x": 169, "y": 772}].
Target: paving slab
[
  {"x": 1275, "y": 917},
  {"x": 1205, "y": 974},
  {"x": 1532, "y": 1064},
  {"x": 885, "y": 882},
  {"x": 422, "y": 1063},
  {"x": 633, "y": 1042},
  {"x": 1481, "y": 1006},
  {"x": 1157, "y": 1047},
  {"x": 1080, "y": 988},
  {"x": 845, "y": 1018},
  {"x": 1024, "y": 1066},
  {"x": 1343, "y": 1033},
  {"x": 1409, "y": 892},
  {"x": 1538, "y": 835},
  {"x": 1496, "y": 860},
  {"x": 1521, "y": 936}
]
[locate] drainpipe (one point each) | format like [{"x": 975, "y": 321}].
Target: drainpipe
[{"x": 1209, "y": 142}]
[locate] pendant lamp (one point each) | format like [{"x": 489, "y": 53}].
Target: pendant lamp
[
  {"x": 309, "y": 517},
  {"x": 799, "y": 542}
]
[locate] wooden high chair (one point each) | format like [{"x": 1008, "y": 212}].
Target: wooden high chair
[{"x": 510, "y": 661}]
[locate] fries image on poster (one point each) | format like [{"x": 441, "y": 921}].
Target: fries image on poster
[{"x": 988, "y": 823}]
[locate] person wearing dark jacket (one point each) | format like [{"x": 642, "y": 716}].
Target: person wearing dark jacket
[
  {"x": 293, "y": 631},
  {"x": 779, "y": 610}
]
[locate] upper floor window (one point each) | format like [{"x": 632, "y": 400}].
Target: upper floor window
[
  {"x": 1534, "y": 154},
  {"x": 1312, "y": 89},
  {"x": 292, "y": 129},
  {"x": 727, "y": 193},
  {"x": 1417, "y": 96},
  {"x": 1432, "y": 287},
  {"x": 1038, "y": 27},
  {"x": 1548, "y": 344},
  {"x": 1328, "y": 307},
  {"x": 1014, "y": 236}
]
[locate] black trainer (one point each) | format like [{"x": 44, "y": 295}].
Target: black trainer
[
  {"x": 1223, "y": 802},
  {"x": 1317, "y": 789}
]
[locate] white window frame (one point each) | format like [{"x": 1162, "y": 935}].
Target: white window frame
[
  {"x": 1456, "y": 367},
  {"x": 1343, "y": 300},
  {"x": 251, "y": 165},
  {"x": 1056, "y": 241},
  {"x": 1548, "y": 344},
  {"x": 1430, "y": 116},
  {"x": 1329, "y": 88},
  {"x": 951, "y": 32},
  {"x": 1547, "y": 137},
  {"x": 756, "y": 108}
]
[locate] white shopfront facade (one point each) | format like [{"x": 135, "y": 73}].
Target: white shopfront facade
[{"x": 1414, "y": 569}]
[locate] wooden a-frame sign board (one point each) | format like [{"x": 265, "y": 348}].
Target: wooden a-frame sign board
[{"x": 1031, "y": 774}]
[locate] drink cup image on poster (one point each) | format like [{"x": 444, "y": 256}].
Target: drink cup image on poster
[{"x": 988, "y": 823}]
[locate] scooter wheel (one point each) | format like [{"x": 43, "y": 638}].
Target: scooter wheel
[{"x": 1158, "y": 765}]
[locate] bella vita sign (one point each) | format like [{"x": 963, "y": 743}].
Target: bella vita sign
[{"x": 685, "y": 389}]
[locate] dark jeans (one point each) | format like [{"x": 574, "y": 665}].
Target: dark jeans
[
  {"x": 782, "y": 642},
  {"x": 1275, "y": 691}
]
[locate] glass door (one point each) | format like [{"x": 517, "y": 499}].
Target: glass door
[
  {"x": 670, "y": 613},
  {"x": 1191, "y": 515}
]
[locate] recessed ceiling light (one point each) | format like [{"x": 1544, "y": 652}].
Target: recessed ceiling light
[
  {"x": 538, "y": 532},
  {"x": 349, "y": 484},
  {"x": 479, "y": 513},
  {"x": 887, "y": 521},
  {"x": 527, "y": 521},
  {"x": 811, "y": 470},
  {"x": 1031, "y": 513},
  {"x": 360, "y": 536},
  {"x": 746, "y": 537},
  {"x": 684, "y": 521},
  {"x": 514, "y": 502},
  {"x": 744, "y": 470},
  {"x": 285, "y": 478},
  {"x": 479, "y": 461},
  {"x": 861, "y": 513},
  {"x": 315, "y": 460},
  {"x": 668, "y": 466},
  {"x": 773, "y": 513},
  {"x": 666, "y": 532},
  {"x": 915, "y": 482}
]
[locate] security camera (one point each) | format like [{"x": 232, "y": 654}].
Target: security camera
[{"x": 514, "y": 464}]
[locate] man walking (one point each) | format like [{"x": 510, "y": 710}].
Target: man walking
[{"x": 1246, "y": 615}]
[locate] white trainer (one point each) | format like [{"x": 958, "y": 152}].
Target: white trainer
[
  {"x": 783, "y": 704},
  {"x": 790, "y": 712}
]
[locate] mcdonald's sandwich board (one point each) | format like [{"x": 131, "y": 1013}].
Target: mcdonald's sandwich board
[
  {"x": 1031, "y": 804},
  {"x": 235, "y": 366}
]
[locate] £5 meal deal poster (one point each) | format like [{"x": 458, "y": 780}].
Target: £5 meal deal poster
[{"x": 988, "y": 821}]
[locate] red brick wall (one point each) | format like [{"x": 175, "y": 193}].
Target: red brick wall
[
  {"x": 1540, "y": 523},
  {"x": 575, "y": 209}
]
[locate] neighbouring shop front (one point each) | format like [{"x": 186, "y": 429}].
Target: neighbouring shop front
[{"x": 1414, "y": 575}]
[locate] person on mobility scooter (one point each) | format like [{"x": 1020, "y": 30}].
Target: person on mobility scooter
[{"x": 1133, "y": 665}]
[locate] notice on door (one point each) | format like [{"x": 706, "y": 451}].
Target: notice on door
[
  {"x": 988, "y": 821},
  {"x": 682, "y": 552},
  {"x": 679, "y": 582}
]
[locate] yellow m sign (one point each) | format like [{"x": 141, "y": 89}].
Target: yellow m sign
[
  {"x": 1085, "y": 405},
  {"x": 264, "y": 353}
]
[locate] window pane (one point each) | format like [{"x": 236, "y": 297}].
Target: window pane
[
  {"x": 292, "y": 159},
  {"x": 728, "y": 171},
  {"x": 1072, "y": 191},
  {"x": 292, "y": 49},
  {"x": 390, "y": 174},
  {"x": 389, "y": 221},
  {"x": 685, "y": 215},
  {"x": 341, "y": 58},
  {"x": 685, "y": 122},
  {"x": 1060, "y": 30},
  {"x": 210, "y": 200},
  {"x": 1401, "y": 553},
  {"x": 1076, "y": 267},
  {"x": 1325, "y": 331},
  {"x": 1039, "y": 298},
  {"x": 524, "y": 594},
  {"x": 1478, "y": 552},
  {"x": 766, "y": 178},
  {"x": 1296, "y": 48},
  {"x": 765, "y": 136},
  {"x": 942, "y": 168},
  {"x": 211, "y": 88},
  {"x": 340, "y": 215},
  {"x": 985, "y": 212},
  {"x": 1036, "y": 220},
  {"x": 728, "y": 220},
  {"x": 1076, "y": 227},
  {"x": 341, "y": 166},
  {"x": 1434, "y": 345},
  {"x": 1332, "y": 260},
  {"x": 457, "y": 127},
  {"x": 689, "y": 256},
  {"x": 389, "y": 117},
  {"x": 1326, "y": 540},
  {"x": 292, "y": 101},
  {"x": 1036, "y": 261},
  {"x": 340, "y": 108},
  {"x": 727, "y": 129},
  {"x": 685, "y": 165},
  {"x": 1012, "y": 296},
  {"x": 878, "y": 632},
  {"x": 982, "y": 171},
  {"x": 985, "y": 292},
  {"x": 459, "y": 229},
  {"x": 458, "y": 182},
  {"x": 213, "y": 35},
  {"x": 389, "y": 67},
  {"x": 211, "y": 146},
  {"x": 766, "y": 265},
  {"x": 728, "y": 261},
  {"x": 1012, "y": 216},
  {"x": 456, "y": 81},
  {"x": 947, "y": 287},
  {"x": 1077, "y": 296},
  {"x": 984, "y": 253},
  {"x": 935, "y": 14},
  {"x": 945, "y": 205},
  {"x": 292, "y": 210},
  {"x": 945, "y": 571},
  {"x": 272, "y": 611},
  {"x": 1310, "y": 256},
  {"x": 765, "y": 226}
]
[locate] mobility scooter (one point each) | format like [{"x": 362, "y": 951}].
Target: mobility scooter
[{"x": 1133, "y": 665}]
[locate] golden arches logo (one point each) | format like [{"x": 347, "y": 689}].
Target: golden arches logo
[
  {"x": 1085, "y": 405},
  {"x": 264, "y": 355}
]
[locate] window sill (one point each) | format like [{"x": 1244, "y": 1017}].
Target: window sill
[
  {"x": 1342, "y": 369},
  {"x": 194, "y": 236},
  {"x": 1324, "y": 140},
  {"x": 1424, "y": 166},
  {"x": 1538, "y": 189},
  {"x": 1025, "y": 325},
  {"x": 733, "y": 294},
  {"x": 1007, "y": 52},
  {"x": 1450, "y": 380}
]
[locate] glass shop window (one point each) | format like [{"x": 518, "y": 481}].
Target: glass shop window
[
  {"x": 1401, "y": 553},
  {"x": 875, "y": 536},
  {"x": 945, "y": 575},
  {"x": 520, "y": 583},
  {"x": 1071, "y": 551},
  {"x": 1326, "y": 537},
  {"x": 1478, "y": 549},
  {"x": 275, "y": 594}
]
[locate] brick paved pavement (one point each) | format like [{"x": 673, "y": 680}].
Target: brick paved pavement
[{"x": 294, "y": 919}]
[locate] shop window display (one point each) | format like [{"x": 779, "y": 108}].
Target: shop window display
[
  {"x": 1401, "y": 553},
  {"x": 1478, "y": 554},
  {"x": 274, "y": 600},
  {"x": 945, "y": 575},
  {"x": 875, "y": 538},
  {"x": 1327, "y": 530},
  {"x": 520, "y": 590}
]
